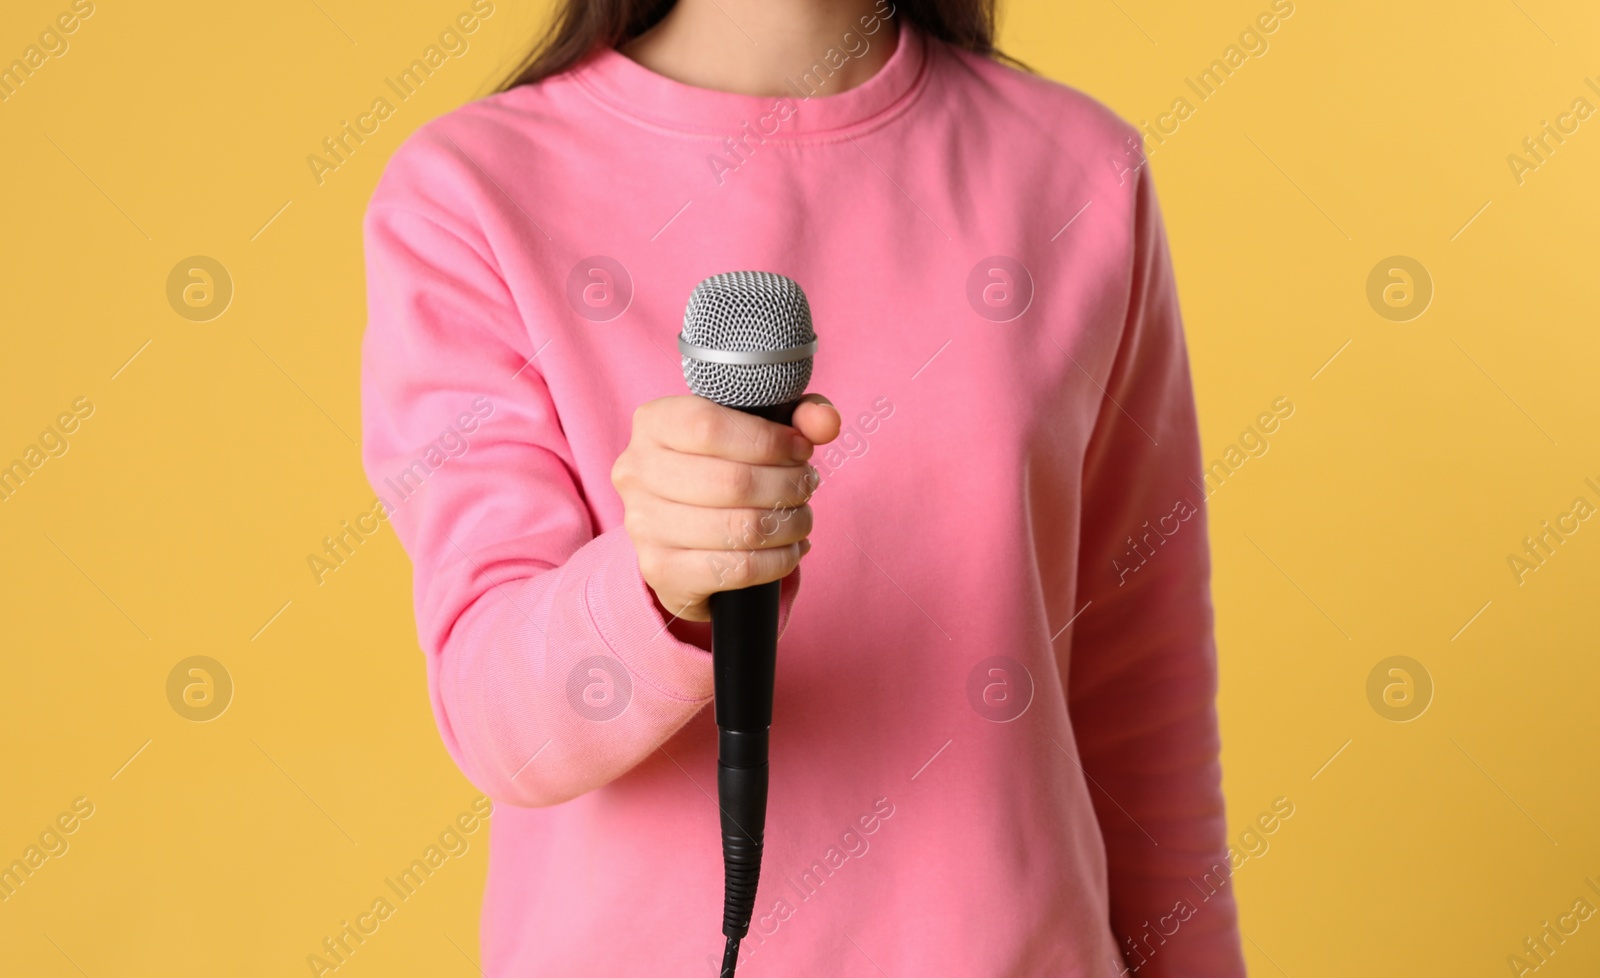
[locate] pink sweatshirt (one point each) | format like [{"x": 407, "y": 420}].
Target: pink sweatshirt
[{"x": 995, "y": 751}]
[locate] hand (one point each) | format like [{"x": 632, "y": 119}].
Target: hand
[{"x": 715, "y": 499}]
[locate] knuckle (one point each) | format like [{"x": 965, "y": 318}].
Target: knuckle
[
  {"x": 755, "y": 568},
  {"x": 773, "y": 522},
  {"x": 631, "y": 521},
  {"x": 779, "y": 561},
  {"x": 732, "y": 569},
  {"x": 732, "y": 529},
  {"x": 744, "y": 529},
  {"x": 773, "y": 443},
  {"x": 703, "y": 428},
  {"x": 738, "y": 481}
]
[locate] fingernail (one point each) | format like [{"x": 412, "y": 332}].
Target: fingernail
[
  {"x": 801, "y": 448},
  {"x": 805, "y": 547}
]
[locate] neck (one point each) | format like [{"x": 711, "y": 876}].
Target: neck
[{"x": 754, "y": 47}]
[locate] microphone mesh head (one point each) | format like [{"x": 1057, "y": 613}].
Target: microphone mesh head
[{"x": 743, "y": 311}]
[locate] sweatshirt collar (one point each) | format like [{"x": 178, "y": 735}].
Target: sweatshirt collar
[{"x": 807, "y": 111}]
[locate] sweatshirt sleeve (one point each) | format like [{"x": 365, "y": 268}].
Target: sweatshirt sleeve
[
  {"x": 1143, "y": 681},
  {"x": 551, "y": 667}
]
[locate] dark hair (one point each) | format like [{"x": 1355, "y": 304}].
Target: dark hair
[{"x": 581, "y": 27}]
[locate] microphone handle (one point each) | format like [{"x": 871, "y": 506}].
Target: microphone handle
[
  {"x": 744, "y": 626},
  {"x": 744, "y": 650}
]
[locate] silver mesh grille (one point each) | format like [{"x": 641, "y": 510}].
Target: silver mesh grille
[{"x": 748, "y": 311}]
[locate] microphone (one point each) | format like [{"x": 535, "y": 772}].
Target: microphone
[{"x": 747, "y": 344}]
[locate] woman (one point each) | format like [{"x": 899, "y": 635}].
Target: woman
[{"x": 995, "y": 750}]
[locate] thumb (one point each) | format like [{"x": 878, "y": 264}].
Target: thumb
[{"x": 817, "y": 419}]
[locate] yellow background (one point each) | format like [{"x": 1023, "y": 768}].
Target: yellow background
[{"x": 1377, "y": 524}]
